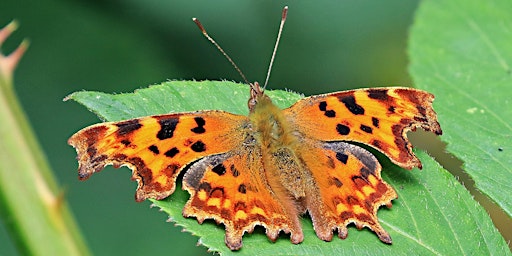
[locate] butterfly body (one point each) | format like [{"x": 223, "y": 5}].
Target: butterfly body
[
  {"x": 269, "y": 168},
  {"x": 278, "y": 145}
]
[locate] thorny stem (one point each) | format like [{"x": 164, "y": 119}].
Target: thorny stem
[{"x": 37, "y": 218}]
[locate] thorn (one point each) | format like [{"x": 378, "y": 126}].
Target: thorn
[
  {"x": 9, "y": 62},
  {"x": 7, "y": 30},
  {"x": 16, "y": 55}
]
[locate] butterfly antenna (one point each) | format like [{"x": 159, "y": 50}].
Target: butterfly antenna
[
  {"x": 220, "y": 49},
  {"x": 283, "y": 20}
]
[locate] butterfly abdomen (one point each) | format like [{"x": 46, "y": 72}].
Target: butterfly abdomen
[{"x": 283, "y": 168}]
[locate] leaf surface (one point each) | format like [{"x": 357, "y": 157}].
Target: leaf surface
[
  {"x": 434, "y": 214},
  {"x": 461, "y": 52}
]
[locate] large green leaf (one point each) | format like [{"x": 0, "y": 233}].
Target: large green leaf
[
  {"x": 462, "y": 52},
  {"x": 175, "y": 96},
  {"x": 434, "y": 214}
]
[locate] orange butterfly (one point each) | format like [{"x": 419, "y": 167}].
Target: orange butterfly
[{"x": 274, "y": 165}]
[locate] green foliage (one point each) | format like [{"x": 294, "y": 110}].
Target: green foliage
[
  {"x": 36, "y": 217},
  {"x": 460, "y": 51},
  {"x": 434, "y": 214},
  {"x": 175, "y": 96}
]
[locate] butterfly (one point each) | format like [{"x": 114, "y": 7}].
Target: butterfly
[{"x": 274, "y": 165}]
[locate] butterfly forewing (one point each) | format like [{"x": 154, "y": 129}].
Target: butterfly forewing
[
  {"x": 156, "y": 148},
  {"x": 379, "y": 117}
]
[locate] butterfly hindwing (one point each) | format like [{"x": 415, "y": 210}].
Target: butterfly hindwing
[
  {"x": 348, "y": 189},
  {"x": 232, "y": 188}
]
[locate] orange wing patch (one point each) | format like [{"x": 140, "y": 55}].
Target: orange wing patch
[
  {"x": 379, "y": 117},
  {"x": 348, "y": 189},
  {"x": 233, "y": 190},
  {"x": 156, "y": 148}
]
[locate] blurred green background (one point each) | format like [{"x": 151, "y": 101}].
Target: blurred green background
[{"x": 119, "y": 46}]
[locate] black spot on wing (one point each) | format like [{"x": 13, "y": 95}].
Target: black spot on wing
[
  {"x": 154, "y": 149},
  {"x": 172, "y": 152},
  {"x": 219, "y": 169},
  {"x": 127, "y": 127},
  {"x": 375, "y": 122},
  {"x": 378, "y": 94},
  {"x": 198, "y": 146},
  {"x": 351, "y": 105},
  {"x": 328, "y": 113},
  {"x": 242, "y": 189},
  {"x": 366, "y": 129},
  {"x": 200, "y": 125},
  {"x": 167, "y": 127},
  {"x": 322, "y": 106},
  {"x": 342, "y": 129},
  {"x": 342, "y": 157}
]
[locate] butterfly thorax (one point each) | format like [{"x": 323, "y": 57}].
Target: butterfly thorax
[{"x": 274, "y": 136}]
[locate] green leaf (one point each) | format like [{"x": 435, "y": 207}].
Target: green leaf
[
  {"x": 461, "y": 51},
  {"x": 173, "y": 97},
  {"x": 434, "y": 214}
]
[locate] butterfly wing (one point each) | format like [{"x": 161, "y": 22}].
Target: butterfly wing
[
  {"x": 347, "y": 188},
  {"x": 378, "y": 117},
  {"x": 346, "y": 182},
  {"x": 233, "y": 189},
  {"x": 156, "y": 148}
]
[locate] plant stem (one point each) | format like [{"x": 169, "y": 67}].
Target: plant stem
[{"x": 36, "y": 216}]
